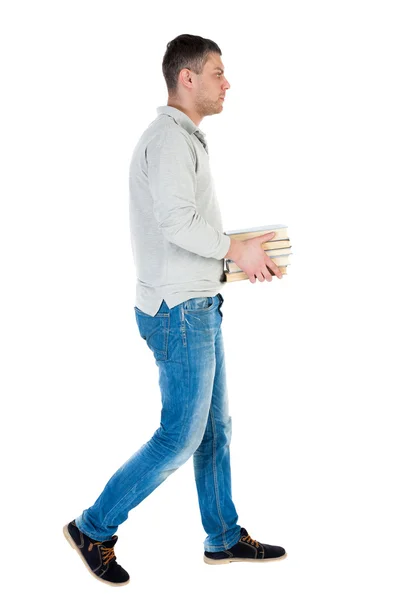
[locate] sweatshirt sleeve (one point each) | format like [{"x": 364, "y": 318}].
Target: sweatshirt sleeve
[{"x": 172, "y": 182}]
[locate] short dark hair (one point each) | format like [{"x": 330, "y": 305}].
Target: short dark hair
[{"x": 186, "y": 52}]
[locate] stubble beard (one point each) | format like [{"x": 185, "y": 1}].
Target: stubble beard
[{"x": 206, "y": 107}]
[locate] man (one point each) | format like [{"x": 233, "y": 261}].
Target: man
[{"x": 179, "y": 247}]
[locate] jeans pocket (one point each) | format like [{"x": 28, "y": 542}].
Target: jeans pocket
[
  {"x": 221, "y": 301},
  {"x": 201, "y": 304},
  {"x": 155, "y": 331}
]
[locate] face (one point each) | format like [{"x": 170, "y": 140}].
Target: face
[{"x": 211, "y": 87}]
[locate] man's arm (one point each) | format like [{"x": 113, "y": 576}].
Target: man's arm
[{"x": 172, "y": 182}]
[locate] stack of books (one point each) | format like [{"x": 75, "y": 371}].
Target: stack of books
[{"x": 278, "y": 249}]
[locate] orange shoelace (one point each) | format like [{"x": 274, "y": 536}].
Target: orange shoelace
[
  {"x": 108, "y": 553},
  {"x": 248, "y": 539}
]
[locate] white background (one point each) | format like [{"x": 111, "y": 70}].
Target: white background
[{"x": 308, "y": 137}]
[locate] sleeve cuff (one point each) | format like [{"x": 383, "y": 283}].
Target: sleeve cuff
[{"x": 225, "y": 244}]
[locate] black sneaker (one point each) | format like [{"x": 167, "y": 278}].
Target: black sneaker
[
  {"x": 98, "y": 557},
  {"x": 246, "y": 550}
]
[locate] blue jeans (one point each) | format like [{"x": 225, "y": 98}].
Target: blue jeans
[{"x": 187, "y": 345}]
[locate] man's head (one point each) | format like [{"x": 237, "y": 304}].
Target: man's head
[{"x": 194, "y": 74}]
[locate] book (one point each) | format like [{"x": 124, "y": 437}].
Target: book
[
  {"x": 242, "y": 275},
  {"x": 271, "y": 253},
  {"x": 276, "y": 244},
  {"x": 278, "y": 249},
  {"x": 281, "y": 260}
]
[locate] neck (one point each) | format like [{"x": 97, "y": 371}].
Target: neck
[{"x": 190, "y": 112}]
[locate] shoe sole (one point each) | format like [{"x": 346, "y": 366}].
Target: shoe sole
[
  {"x": 225, "y": 561},
  {"x": 75, "y": 547}
]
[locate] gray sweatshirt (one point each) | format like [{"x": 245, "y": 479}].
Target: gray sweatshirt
[{"x": 177, "y": 237}]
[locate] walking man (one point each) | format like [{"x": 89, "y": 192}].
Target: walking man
[{"x": 178, "y": 247}]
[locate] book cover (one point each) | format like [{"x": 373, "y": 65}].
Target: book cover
[{"x": 265, "y": 228}]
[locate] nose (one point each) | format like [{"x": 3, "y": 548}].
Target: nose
[{"x": 227, "y": 85}]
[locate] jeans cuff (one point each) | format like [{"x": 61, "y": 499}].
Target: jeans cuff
[{"x": 229, "y": 544}]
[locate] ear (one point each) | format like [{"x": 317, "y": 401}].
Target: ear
[{"x": 186, "y": 76}]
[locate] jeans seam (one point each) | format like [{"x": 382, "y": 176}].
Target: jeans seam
[
  {"x": 166, "y": 336},
  {"x": 188, "y": 382},
  {"x": 216, "y": 478},
  {"x": 156, "y": 466}
]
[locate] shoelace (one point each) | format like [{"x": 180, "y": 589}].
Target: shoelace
[
  {"x": 108, "y": 553},
  {"x": 247, "y": 538}
]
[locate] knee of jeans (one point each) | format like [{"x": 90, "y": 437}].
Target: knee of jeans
[
  {"x": 228, "y": 429},
  {"x": 188, "y": 445},
  {"x": 217, "y": 436}
]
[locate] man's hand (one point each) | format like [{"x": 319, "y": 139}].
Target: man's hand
[{"x": 252, "y": 259}]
